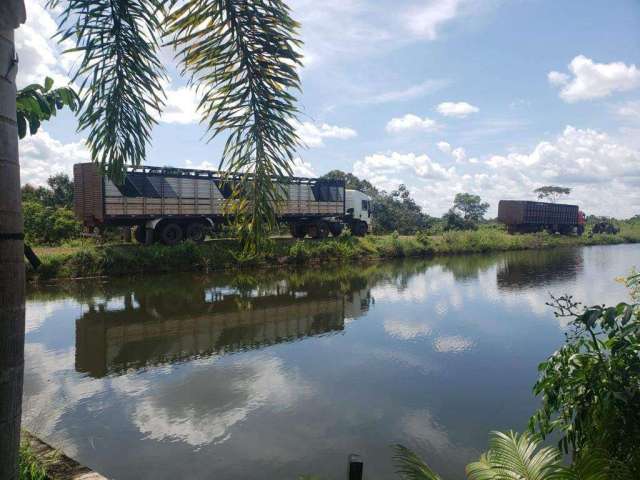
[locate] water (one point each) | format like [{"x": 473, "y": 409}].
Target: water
[{"x": 280, "y": 374}]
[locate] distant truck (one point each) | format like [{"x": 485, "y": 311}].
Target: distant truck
[
  {"x": 521, "y": 216},
  {"x": 173, "y": 204}
]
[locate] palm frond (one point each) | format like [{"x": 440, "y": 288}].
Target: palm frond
[
  {"x": 517, "y": 457},
  {"x": 119, "y": 74},
  {"x": 241, "y": 56},
  {"x": 411, "y": 467}
]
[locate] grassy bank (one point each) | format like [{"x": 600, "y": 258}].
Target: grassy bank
[{"x": 88, "y": 260}]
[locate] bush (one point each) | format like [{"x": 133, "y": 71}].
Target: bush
[
  {"x": 591, "y": 386},
  {"x": 49, "y": 225}
]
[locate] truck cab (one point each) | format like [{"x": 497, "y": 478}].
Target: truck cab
[{"x": 358, "y": 208}]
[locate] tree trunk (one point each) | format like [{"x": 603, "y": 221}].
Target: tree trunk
[{"x": 12, "y": 279}]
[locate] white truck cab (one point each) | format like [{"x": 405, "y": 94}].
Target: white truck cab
[{"x": 358, "y": 208}]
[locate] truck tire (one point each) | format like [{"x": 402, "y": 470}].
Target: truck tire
[
  {"x": 319, "y": 230},
  {"x": 140, "y": 234},
  {"x": 336, "y": 228},
  {"x": 298, "y": 230},
  {"x": 171, "y": 234},
  {"x": 359, "y": 229},
  {"x": 196, "y": 232},
  {"x": 580, "y": 230}
]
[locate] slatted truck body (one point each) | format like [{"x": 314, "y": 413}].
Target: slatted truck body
[
  {"x": 526, "y": 216},
  {"x": 170, "y": 204}
]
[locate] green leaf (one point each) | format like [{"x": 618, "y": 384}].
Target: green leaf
[{"x": 411, "y": 467}]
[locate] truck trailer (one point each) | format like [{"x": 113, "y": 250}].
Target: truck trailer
[
  {"x": 522, "y": 216},
  {"x": 169, "y": 204}
]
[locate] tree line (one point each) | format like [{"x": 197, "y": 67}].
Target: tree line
[{"x": 398, "y": 212}]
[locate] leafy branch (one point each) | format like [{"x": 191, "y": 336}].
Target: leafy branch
[{"x": 37, "y": 103}]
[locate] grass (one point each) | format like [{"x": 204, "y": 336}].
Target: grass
[
  {"x": 87, "y": 259},
  {"x": 30, "y": 467}
]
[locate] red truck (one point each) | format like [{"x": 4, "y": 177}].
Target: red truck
[{"x": 522, "y": 216}]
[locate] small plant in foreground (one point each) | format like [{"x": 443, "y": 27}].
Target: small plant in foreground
[
  {"x": 30, "y": 468},
  {"x": 513, "y": 456}
]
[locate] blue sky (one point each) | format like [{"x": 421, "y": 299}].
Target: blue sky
[{"x": 493, "y": 97}]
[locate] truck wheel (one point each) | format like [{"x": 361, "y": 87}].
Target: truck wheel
[
  {"x": 580, "y": 230},
  {"x": 196, "y": 232},
  {"x": 171, "y": 234},
  {"x": 335, "y": 229},
  {"x": 319, "y": 230},
  {"x": 140, "y": 234},
  {"x": 297, "y": 230},
  {"x": 359, "y": 229}
]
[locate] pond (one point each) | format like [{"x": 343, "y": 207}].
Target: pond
[{"x": 278, "y": 374}]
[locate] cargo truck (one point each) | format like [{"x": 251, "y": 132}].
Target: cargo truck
[
  {"x": 173, "y": 204},
  {"x": 521, "y": 216}
]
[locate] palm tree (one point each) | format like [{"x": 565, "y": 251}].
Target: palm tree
[
  {"x": 513, "y": 456},
  {"x": 241, "y": 56}
]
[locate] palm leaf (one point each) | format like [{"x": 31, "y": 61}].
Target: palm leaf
[
  {"x": 120, "y": 75},
  {"x": 515, "y": 457},
  {"x": 411, "y": 467},
  {"x": 241, "y": 56}
]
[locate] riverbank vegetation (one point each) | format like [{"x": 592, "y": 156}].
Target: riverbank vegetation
[{"x": 86, "y": 258}]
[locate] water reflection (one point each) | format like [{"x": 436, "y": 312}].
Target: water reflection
[
  {"x": 282, "y": 373},
  {"x": 167, "y": 323},
  {"x": 522, "y": 270}
]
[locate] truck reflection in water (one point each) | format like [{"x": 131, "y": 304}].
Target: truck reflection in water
[
  {"x": 153, "y": 327},
  {"x": 523, "y": 270}
]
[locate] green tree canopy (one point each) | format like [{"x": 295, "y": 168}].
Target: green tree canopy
[
  {"x": 395, "y": 211},
  {"x": 470, "y": 206},
  {"x": 551, "y": 192}
]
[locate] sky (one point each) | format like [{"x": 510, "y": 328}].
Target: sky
[{"x": 490, "y": 97}]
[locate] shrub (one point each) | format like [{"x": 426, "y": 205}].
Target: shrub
[
  {"x": 49, "y": 225},
  {"x": 591, "y": 386}
]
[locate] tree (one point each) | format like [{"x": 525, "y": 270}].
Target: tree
[
  {"x": 551, "y": 193},
  {"x": 12, "y": 280},
  {"x": 37, "y": 103},
  {"x": 470, "y": 206},
  {"x": 240, "y": 55},
  {"x": 62, "y": 190},
  {"x": 391, "y": 212}
]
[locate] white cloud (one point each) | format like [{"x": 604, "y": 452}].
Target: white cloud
[
  {"x": 458, "y": 154},
  {"x": 40, "y": 55},
  {"x": 594, "y": 80},
  {"x": 444, "y": 147},
  {"x": 409, "y": 93},
  {"x": 424, "y": 21},
  {"x": 376, "y": 167},
  {"x": 181, "y": 105},
  {"x": 557, "y": 78},
  {"x": 452, "y": 344},
  {"x": 303, "y": 169},
  {"x": 629, "y": 109},
  {"x": 457, "y": 109},
  {"x": 42, "y": 156},
  {"x": 410, "y": 122},
  {"x": 603, "y": 172},
  {"x": 357, "y": 28},
  {"x": 313, "y": 135}
]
